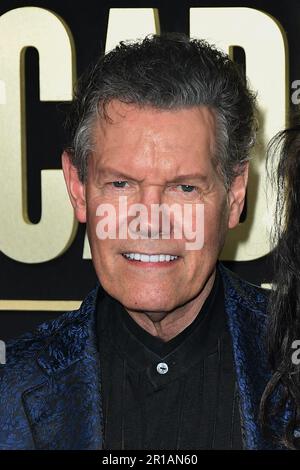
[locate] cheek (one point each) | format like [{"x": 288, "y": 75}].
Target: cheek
[
  {"x": 199, "y": 261},
  {"x": 102, "y": 250},
  {"x": 106, "y": 261},
  {"x": 215, "y": 225}
]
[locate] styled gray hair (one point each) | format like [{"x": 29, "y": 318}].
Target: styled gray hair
[{"x": 167, "y": 72}]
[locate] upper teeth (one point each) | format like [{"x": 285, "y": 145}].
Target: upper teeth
[{"x": 149, "y": 258}]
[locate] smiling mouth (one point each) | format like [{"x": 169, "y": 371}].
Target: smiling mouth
[{"x": 150, "y": 258}]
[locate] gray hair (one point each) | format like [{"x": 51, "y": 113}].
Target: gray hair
[{"x": 167, "y": 72}]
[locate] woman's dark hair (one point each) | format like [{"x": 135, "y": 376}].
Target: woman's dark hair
[{"x": 284, "y": 305}]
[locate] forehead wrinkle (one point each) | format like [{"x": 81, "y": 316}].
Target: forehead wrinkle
[
  {"x": 151, "y": 148},
  {"x": 144, "y": 152}
]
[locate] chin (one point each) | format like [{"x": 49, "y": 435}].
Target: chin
[
  {"x": 142, "y": 297},
  {"x": 147, "y": 305}
]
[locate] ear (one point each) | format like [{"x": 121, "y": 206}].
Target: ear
[
  {"x": 236, "y": 196},
  {"x": 76, "y": 188}
]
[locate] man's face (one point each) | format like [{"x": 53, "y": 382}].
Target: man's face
[{"x": 144, "y": 154}]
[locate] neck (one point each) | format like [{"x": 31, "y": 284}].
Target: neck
[{"x": 167, "y": 325}]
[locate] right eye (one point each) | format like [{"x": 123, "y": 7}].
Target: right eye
[{"x": 119, "y": 184}]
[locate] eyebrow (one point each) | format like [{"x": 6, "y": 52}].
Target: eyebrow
[
  {"x": 113, "y": 173},
  {"x": 190, "y": 176}
]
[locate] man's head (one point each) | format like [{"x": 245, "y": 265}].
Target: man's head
[{"x": 166, "y": 120}]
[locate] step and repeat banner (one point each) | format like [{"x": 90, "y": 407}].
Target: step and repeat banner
[{"x": 45, "y": 261}]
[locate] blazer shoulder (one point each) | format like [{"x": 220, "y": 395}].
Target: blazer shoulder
[
  {"x": 248, "y": 295},
  {"x": 22, "y": 372},
  {"x": 30, "y": 343}
]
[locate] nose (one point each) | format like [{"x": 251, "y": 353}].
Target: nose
[
  {"x": 151, "y": 194},
  {"x": 151, "y": 213}
]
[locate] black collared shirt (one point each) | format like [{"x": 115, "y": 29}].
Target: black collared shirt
[{"x": 179, "y": 394}]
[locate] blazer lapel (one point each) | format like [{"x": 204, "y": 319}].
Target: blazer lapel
[
  {"x": 64, "y": 410},
  {"x": 245, "y": 307}
]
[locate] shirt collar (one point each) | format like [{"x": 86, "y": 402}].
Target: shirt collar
[{"x": 145, "y": 352}]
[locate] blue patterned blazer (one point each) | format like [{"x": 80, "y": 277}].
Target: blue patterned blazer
[{"x": 50, "y": 390}]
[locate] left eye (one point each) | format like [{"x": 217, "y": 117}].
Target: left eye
[
  {"x": 187, "y": 188},
  {"x": 119, "y": 184}
]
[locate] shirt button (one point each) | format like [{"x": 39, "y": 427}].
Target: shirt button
[{"x": 162, "y": 368}]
